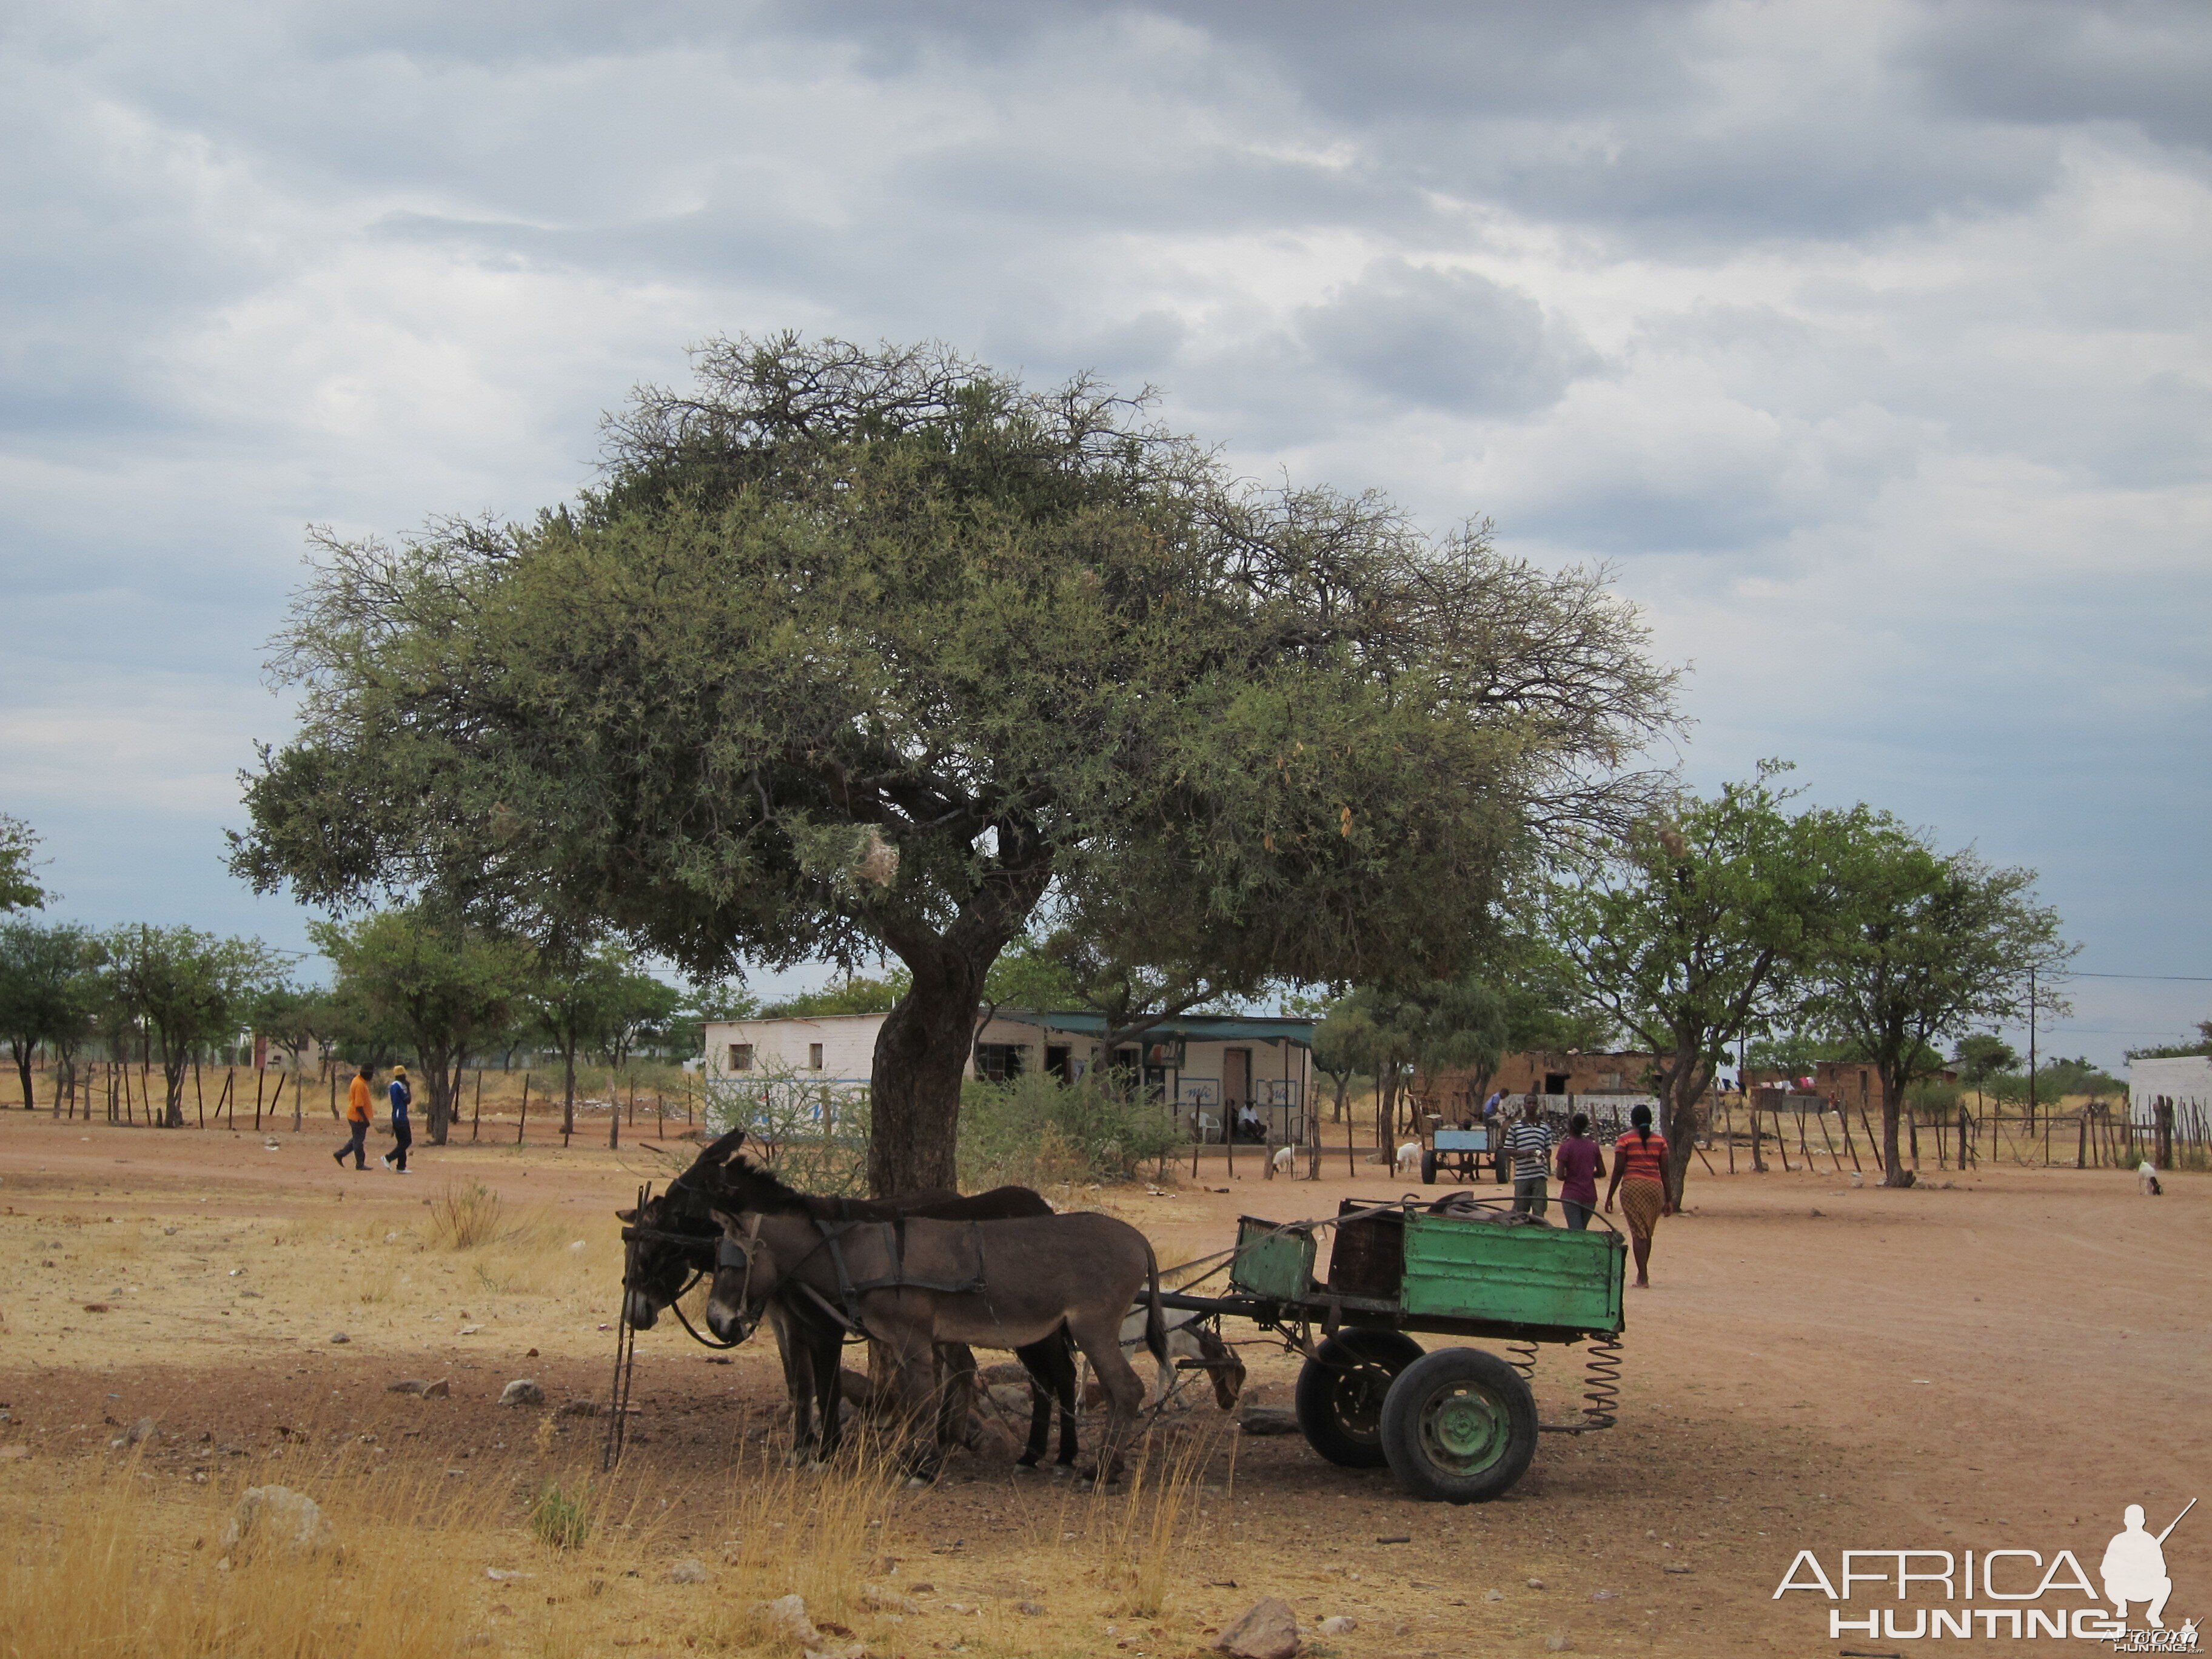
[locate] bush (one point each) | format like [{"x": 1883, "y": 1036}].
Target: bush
[
  {"x": 464, "y": 1217},
  {"x": 1035, "y": 1130},
  {"x": 560, "y": 1518},
  {"x": 1934, "y": 1098}
]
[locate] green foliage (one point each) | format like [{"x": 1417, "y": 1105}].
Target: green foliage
[
  {"x": 1696, "y": 929},
  {"x": 561, "y": 1516},
  {"x": 852, "y": 994},
  {"x": 813, "y": 1132},
  {"x": 2057, "y": 1078},
  {"x": 1934, "y": 1098},
  {"x": 1979, "y": 1056},
  {"x": 2179, "y": 1050},
  {"x": 18, "y": 891},
  {"x": 423, "y": 974},
  {"x": 189, "y": 987},
  {"x": 834, "y": 600},
  {"x": 1037, "y": 1129},
  {"x": 49, "y": 988}
]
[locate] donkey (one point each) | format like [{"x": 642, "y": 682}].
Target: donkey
[
  {"x": 811, "y": 1342},
  {"x": 916, "y": 1282}
]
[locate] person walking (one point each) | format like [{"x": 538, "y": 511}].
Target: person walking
[
  {"x": 1580, "y": 1163},
  {"x": 1639, "y": 1176},
  {"x": 358, "y": 1114},
  {"x": 403, "y": 1132},
  {"x": 1528, "y": 1144}
]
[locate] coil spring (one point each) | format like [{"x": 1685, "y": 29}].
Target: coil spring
[
  {"x": 1601, "y": 1382},
  {"x": 1523, "y": 1360}
]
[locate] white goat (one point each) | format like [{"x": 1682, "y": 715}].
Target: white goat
[
  {"x": 1409, "y": 1157},
  {"x": 1285, "y": 1160}
]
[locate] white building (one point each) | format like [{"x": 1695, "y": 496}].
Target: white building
[
  {"x": 2185, "y": 1079},
  {"x": 1205, "y": 1065}
]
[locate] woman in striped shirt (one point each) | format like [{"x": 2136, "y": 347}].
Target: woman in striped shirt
[{"x": 1639, "y": 1176}]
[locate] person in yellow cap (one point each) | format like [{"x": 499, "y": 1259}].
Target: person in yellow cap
[
  {"x": 403, "y": 1132},
  {"x": 358, "y": 1114}
]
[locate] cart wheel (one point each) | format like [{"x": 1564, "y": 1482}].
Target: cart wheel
[
  {"x": 1340, "y": 1395},
  {"x": 1459, "y": 1426},
  {"x": 1428, "y": 1169}
]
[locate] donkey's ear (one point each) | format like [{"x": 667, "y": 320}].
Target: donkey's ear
[{"x": 626, "y": 1215}]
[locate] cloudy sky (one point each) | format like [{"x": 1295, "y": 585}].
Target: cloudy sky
[{"x": 1867, "y": 341}]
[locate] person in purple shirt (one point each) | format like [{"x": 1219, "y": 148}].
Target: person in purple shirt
[{"x": 1579, "y": 1164}]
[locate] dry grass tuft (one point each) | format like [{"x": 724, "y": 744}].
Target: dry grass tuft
[{"x": 465, "y": 1216}]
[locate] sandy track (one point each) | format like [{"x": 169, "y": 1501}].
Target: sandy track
[{"x": 2009, "y": 1361}]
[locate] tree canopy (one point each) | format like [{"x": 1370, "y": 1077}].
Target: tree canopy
[
  {"x": 19, "y": 890},
  {"x": 188, "y": 988},
  {"x": 859, "y": 651}
]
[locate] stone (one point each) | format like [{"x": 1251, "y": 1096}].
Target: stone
[
  {"x": 1268, "y": 1630},
  {"x": 1003, "y": 1375},
  {"x": 1535, "y": 1583},
  {"x": 1029, "y": 1609},
  {"x": 276, "y": 1517},
  {"x": 1341, "y": 1625},
  {"x": 522, "y": 1391},
  {"x": 688, "y": 1571},
  {"x": 340, "y": 1338},
  {"x": 406, "y": 1385},
  {"x": 877, "y": 1599},
  {"x": 442, "y": 1390},
  {"x": 1268, "y": 1419},
  {"x": 1493, "y": 1595},
  {"x": 141, "y": 1432},
  {"x": 787, "y": 1617},
  {"x": 578, "y": 1409},
  {"x": 1557, "y": 1642}
]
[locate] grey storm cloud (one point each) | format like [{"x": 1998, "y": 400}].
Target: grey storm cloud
[{"x": 1879, "y": 325}]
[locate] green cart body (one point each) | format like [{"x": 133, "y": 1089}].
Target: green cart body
[{"x": 1458, "y": 1424}]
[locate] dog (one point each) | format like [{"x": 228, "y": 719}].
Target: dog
[
  {"x": 2146, "y": 1180},
  {"x": 1285, "y": 1160},
  {"x": 1409, "y": 1157}
]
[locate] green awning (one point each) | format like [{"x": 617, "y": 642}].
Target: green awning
[{"x": 1191, "y": 1028}]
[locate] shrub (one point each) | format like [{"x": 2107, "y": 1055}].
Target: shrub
[
  {"x": 464, "y": 1217},
  {"x": 1037, "y": 1130},
  {"x": 559, "y": 1517}
]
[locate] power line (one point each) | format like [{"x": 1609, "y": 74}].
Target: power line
[{"x": 2175, "y": 979}]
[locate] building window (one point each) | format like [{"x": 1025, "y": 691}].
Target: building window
[
  {"x": 741, "y": 1056},
  {"x": 813, "y": 1056},
  {"x": 998, "y": 1062}
]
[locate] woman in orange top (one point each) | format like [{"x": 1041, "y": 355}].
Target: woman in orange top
[
  {"x": 358, "y": 1114},
  {"x": 1639, "y": 1176}
]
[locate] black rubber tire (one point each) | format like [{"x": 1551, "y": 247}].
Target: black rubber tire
[
  {"x": 1340, "y": 1395},
  {"x": 1459, "y": 1426},
  {"x": 1428, "y": 1169}
]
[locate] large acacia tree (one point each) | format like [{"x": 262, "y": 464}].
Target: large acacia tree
[{"x": 832, "y": 605}]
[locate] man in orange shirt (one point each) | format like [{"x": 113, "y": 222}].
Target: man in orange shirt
[{"x": 359, "y": 1112}]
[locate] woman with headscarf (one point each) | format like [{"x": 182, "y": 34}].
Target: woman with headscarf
[
  {"x": 1639, "y": 1176},
  {"x": 403, "y": 1130}
]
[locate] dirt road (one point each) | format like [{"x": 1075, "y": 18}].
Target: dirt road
[{"x": 2003, "y": 1359}]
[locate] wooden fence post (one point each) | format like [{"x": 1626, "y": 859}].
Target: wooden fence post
[
  {"x": 476, "y": 1110},
  {"x": 261, "y": 1082},
  {"x": 522, "y": 1122}
]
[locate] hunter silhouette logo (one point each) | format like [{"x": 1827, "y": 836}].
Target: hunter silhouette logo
[{"x": 2003, "y": 1593}]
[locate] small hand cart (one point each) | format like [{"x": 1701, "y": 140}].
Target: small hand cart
[
  {"x": 1460, "y": 1153},
  {"x": 1457, "y": 1424}
]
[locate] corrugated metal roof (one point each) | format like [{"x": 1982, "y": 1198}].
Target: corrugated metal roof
[{"x": 1193, "y": 1028}]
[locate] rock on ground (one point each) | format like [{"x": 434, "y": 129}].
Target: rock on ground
[
  {"x": 688, "y": 1571},
  {"x": 1268, "y": 1419},
  {"x": 522, "y": 1391},
  {"x": 406, "y": 1385},
  {"x": 1269, "y": 1630},
  {"x": 578, "y": 1409},
  {"x": 1341, "y": 1624},
  {"x": 276, "y": 1517},
  {"x": 141, "y": 1432}
]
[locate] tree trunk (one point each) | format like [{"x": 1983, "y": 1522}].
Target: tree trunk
[
  {"x": 1686, "y": 1081},
  {"x": 434, "y": 1074},
  {"x": 568, "y": 1091},
  {"x": 22, "y": 1053},
  {"x": 920, "y": 1061},
  {"x": 1893, "y": 1110}
]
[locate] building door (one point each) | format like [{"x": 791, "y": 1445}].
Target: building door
[{"x": 1235, "y": 1078}]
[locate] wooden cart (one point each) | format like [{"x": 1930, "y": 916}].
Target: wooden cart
[{"x": 1457, "y": 1424}]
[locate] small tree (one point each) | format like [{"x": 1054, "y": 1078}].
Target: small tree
[
  {"x": 1692, "y": 933},
  {"x": 18, "y": 891},
  {"x": 186, "y": 989},
  {"x": 1924, "y": 945},
  {"x": 1979, "y": 1057},
  {"x": 49, "y": 987},
  {"x": 575, "y": 997},
  {"x": 640, "y": 1010},
  {"x": 422, "y": 971}
]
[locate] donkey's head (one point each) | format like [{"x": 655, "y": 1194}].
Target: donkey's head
[
  {"x": 745, "y": 1277},
  {"x": 674, "y": 1232}
]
